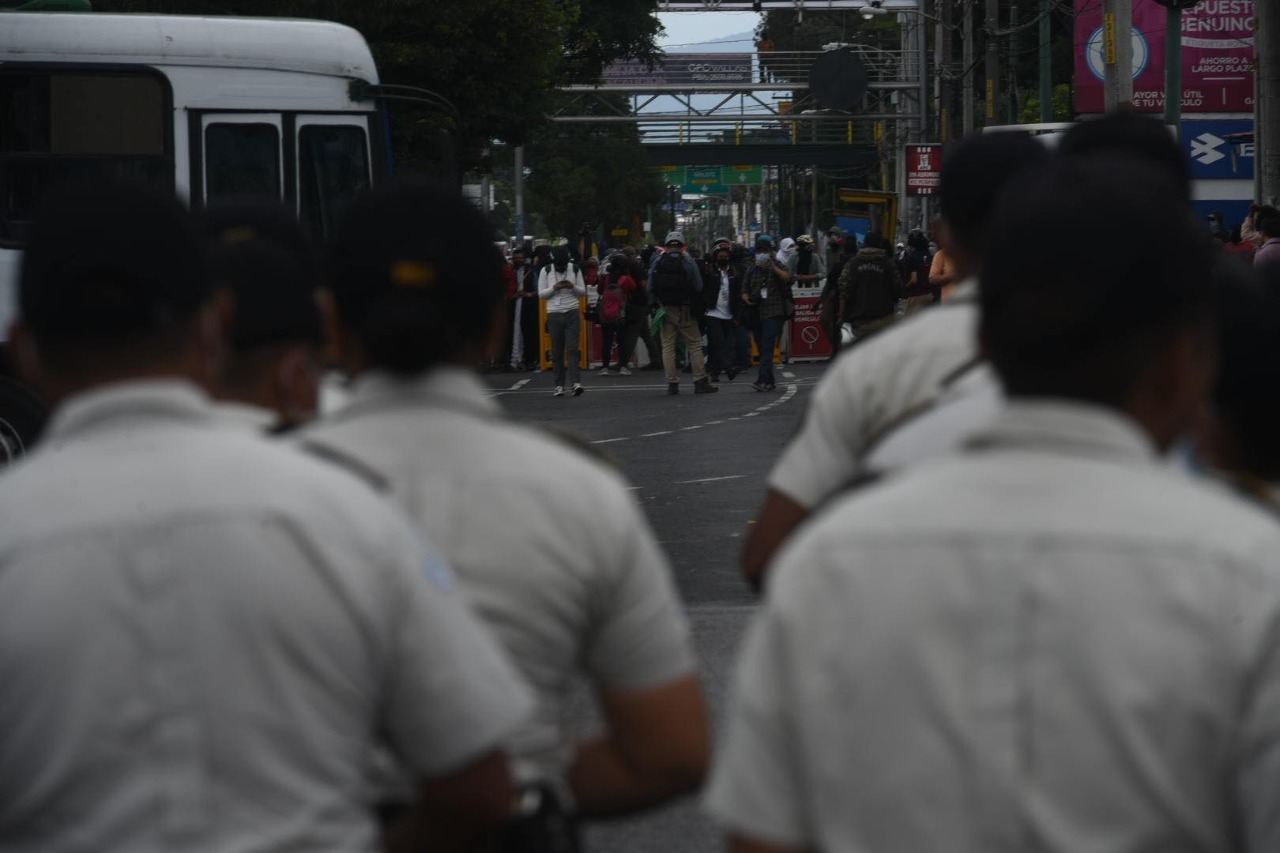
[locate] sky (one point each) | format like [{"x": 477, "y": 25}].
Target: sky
[{"x": 688, "y": 28}]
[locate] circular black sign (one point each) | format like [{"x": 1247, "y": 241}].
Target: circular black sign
[
  {"x": 838, "y": 79},
  {"x": 1179, "y": 4}
]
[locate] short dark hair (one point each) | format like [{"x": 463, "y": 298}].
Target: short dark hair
[
  {"x": 974, "y": 172},
  {"x": 1135, "y": 135},
  {"x": 1059, "y": 321},
  {"x": 111, "y": 264},
  {"x": 414, "y": 274},
  {"x": 1269, "y": 225},
  {"x": 1249, "y": 364}
]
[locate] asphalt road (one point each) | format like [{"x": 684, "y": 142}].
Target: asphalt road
[{"x": 698, "y": 464}]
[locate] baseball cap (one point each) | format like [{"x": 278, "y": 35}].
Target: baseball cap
[
  {"x": 804, "y": 240},
  {"x": 764, "y": 241},
  {"x": 674, "y": 237},
  {"x": 109, "y": 260}
]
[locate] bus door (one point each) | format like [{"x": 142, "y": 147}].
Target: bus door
[
  {"x": 239, "y": 154},
  {"x": 332, "y": 163}
]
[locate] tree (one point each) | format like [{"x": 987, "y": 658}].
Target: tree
[
  {"x": 591, "y": 173},
  {"x": 498, "y": 62}
]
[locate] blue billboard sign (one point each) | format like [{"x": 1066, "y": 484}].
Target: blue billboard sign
[{"x": 1213, "y": 148}]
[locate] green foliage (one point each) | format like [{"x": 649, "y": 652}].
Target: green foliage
[
  {"x": 592, "y": 173},
  {"x": 1061, "y": 107}
]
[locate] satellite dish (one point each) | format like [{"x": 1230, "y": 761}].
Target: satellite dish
[{"x": 838, "y": 79}]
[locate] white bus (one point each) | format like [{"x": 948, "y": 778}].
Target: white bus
[{"x": 201, "y": 106}]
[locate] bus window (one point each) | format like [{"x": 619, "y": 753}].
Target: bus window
[
  {"x": 241, "y": 158},
  {"x": 333, "y": 165},
  {"x": 57, "y": 126}
]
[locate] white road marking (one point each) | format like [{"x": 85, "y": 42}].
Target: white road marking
[
  {"x": 710, "y": 479},
  {"x": 791, "y": 391},
  {"x": 786, "y": 375},
  {"x": 520, "y": 384},
  {"x": 652, "y": 434},
  {"x": 608, "y": 440}
]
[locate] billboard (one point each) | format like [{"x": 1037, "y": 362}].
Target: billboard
[
  {"x": 924, "y": 168},
  {"x": 1217, "y": 56},
  {"x": 675, "y": 69}
]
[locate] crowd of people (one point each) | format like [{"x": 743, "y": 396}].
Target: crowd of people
[
  {"x": 1020, "y": 565},
  {"x": 666, "y": 297}
]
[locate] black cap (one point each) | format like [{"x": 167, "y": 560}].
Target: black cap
[
  {"x": 108, "y": 260},
  {"x": 261, "y": 252}
]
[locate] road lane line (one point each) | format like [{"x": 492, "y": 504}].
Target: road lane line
[
  {"x": 608, "y": 440},
  {"x": 520, "y": 384},
  {"x": 710, "y": 479},
  {"x": 652, "y": 434}
]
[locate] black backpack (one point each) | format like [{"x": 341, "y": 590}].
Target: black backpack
[{"x": 671, "y": 285}]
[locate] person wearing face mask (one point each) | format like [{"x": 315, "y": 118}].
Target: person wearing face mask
[
  {"x": 561, "y": 286},
  {"x": 765, "y": 291},
  {"x": 723, "y": 283},
  {"x": 675, "y": 282}
]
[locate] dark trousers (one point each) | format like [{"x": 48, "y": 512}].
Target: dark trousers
[
  {"x": 766, "y": 338},
  {"x": 609, "y": 335},
  {"x": 722, "y": 340}
]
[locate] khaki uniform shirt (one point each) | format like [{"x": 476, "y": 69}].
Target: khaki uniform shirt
[
  {"x": 551, "y": 547},
  {"x": 868, "y": 389},
  {"x": 204, "y": 638},
  {"x": 1050, "y": 642}
]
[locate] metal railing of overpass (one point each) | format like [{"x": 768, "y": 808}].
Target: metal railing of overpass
[{"x": 867, "y": 6}]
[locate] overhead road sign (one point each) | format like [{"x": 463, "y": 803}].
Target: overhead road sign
[
  {"x": 741, "y": 175},
  {"x": 703, "y": 180},
  {"x": 675, "y": 69}
]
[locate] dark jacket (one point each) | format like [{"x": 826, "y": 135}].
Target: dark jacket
[
  {"x": 711, "y": 290},
  {"x": 870, "y": 287}
]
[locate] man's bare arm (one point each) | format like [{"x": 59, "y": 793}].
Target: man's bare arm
[
  {"x": 657, "y": 747},
  {"x": 779, "y": 517}
]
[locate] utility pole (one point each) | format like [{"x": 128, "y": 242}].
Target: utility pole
[
  {"x": 990, "y": 24},
  {"x": 1267, "y": 100},
  {"x": 1117, "y": 53},
  {"x": 519, "y": 223},
  {"x": 966, "y": 58},
  {"x": 944, "y": 82},
  {"x": 1046, "y": 61},
  {"x": 1012, "y": 64},
  {"x": 1173, "y": 66}
]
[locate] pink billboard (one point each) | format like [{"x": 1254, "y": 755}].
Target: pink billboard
[{"x": 1217, "y": 56}]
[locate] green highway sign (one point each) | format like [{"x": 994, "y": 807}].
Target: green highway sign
[
  {"x": 741, "y": 175},
  {"x": 702, "y": 179}
]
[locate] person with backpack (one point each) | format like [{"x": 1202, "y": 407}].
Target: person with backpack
[
  {"x": 674, "y": 282},
  {"x": 611, "y": 312},
  {"x": 766, "y": 291},
  {"x": 560, "y": 285},
  {"x": 870, "y": 287}
]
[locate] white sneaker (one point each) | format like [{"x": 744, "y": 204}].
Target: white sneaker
[
  {"x": 559, "y": 391},
  {"x": 622, "y": 371},
  {"x": 605, "y": 372},
  {"x": 578, "y": 389}
]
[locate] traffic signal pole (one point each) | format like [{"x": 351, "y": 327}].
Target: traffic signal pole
[{"x": 1267, "y": 100}]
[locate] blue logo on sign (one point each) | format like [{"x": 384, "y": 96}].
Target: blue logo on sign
[{"x": 1217, "y": 149}]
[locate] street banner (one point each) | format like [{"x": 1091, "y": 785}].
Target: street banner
[
  {"x": 1217, "y": 57},
  {"x": 809, "y": 341},
  {"x": 924, "y": 168}
]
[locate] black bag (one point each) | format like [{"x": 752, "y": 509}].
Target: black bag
[
  {"x": 544, "y": 826},
  {"x": 671, "y": 285}
]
